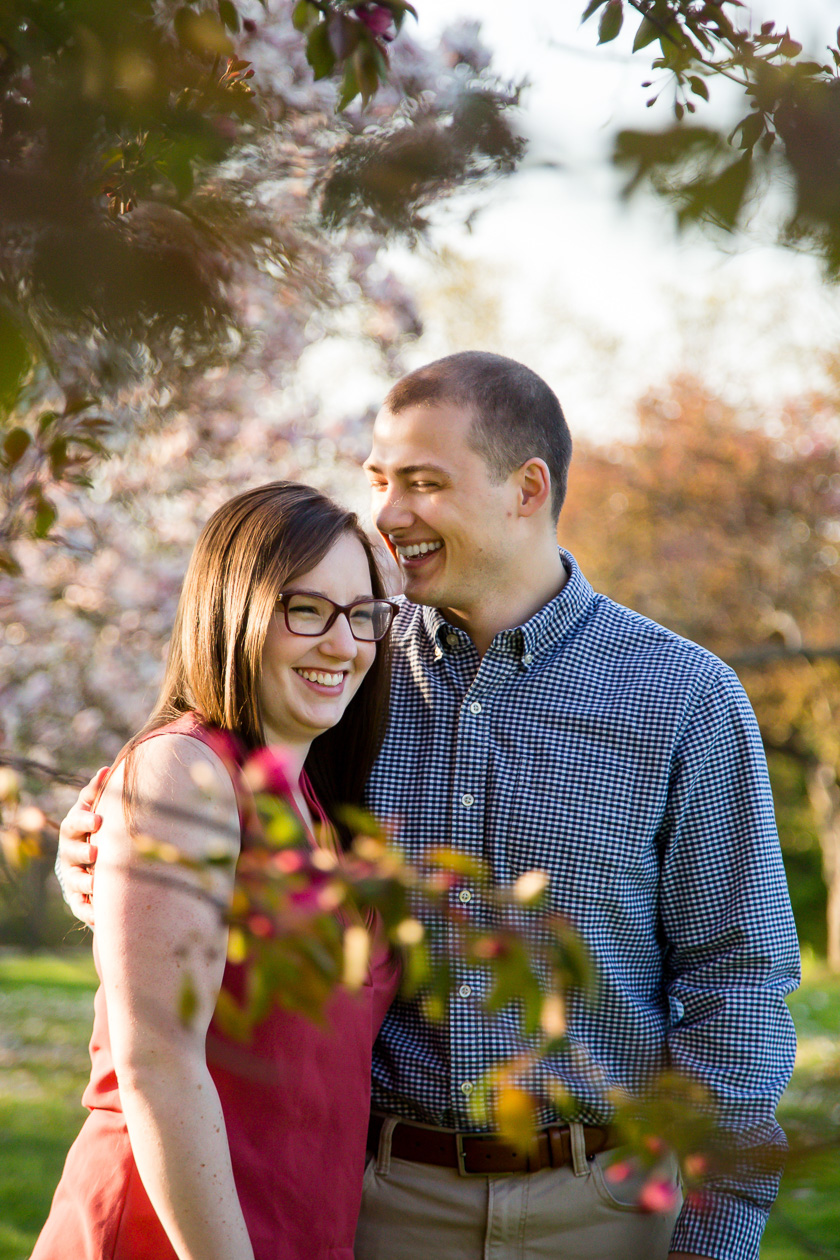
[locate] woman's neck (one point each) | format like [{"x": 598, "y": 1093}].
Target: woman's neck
[{"x": 294, "y": 755}]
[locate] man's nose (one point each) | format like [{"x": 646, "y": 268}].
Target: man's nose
[{"x": 390, "y": 510}]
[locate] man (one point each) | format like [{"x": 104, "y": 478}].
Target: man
[{"x": 537, "y": 724}]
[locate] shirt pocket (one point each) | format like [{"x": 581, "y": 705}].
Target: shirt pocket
[{"x": 574, "y": 812}]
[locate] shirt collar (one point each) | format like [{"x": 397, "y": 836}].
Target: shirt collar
[{"x": 539, "y": 634}]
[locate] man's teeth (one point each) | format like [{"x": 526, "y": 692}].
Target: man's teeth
[
  {"x": 317, "y": 676},
  {"x": 417, "y": 549}
]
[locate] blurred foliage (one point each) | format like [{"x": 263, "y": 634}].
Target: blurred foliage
[
  {"x": 300, "y": 923},
  {"x": 163, "y": 162},
  {"x": 727, "y": 528},
  {"x": 788, "y": 136}
]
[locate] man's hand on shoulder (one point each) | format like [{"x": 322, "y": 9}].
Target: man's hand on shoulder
[{"x": 76, "y": 854}]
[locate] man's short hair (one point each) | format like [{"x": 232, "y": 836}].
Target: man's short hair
[{"x": 515, "y": 414}]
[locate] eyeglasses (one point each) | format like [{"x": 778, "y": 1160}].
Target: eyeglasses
[{"x": 310, "y": 615}]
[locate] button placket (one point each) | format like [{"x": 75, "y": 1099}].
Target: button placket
[{"x": 470, "y": 775}]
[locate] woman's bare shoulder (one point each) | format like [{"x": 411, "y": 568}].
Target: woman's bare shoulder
[{"x": 180, "y": 789}]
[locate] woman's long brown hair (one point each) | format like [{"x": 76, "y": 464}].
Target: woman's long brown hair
[{"x": 250, "y": 549}]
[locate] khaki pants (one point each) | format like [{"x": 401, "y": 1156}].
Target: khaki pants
[{"x": 414, "y": 1211}]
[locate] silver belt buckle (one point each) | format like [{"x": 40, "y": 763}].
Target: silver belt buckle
[{"x": 463, "y": 1171}]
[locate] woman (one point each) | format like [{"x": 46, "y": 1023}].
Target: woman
[{"x": 196, "y": 1147}]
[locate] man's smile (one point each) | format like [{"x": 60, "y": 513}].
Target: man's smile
[{"x": 411, "y": 551}]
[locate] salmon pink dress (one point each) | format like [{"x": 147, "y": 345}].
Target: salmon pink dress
[{"x": 295, "y": 1100}]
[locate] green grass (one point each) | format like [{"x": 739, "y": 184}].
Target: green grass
[
  {"x": 46, "y": 1011},
  {"x": 806, "y": 1219}
]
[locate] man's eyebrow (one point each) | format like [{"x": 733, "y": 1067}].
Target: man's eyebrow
[{"x": 410, "y": 470}]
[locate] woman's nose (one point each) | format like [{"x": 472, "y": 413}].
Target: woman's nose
[{"x": 338, "y": 640}]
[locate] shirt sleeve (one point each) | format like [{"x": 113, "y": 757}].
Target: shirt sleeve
[{"x": 731, "y": 956}]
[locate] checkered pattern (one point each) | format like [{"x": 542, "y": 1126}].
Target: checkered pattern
[{"x": 626, "y": 762}]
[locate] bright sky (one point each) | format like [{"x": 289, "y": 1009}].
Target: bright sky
[{"x": 601, "y": 297}]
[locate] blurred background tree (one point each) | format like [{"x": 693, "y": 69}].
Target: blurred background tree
[
  {"x": 182, "y": 183},
  {"x": 190, "y": 195},
  {"x": 725, "y": 525}
]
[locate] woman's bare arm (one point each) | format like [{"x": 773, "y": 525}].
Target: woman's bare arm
[{"x": 162, "y": 941}]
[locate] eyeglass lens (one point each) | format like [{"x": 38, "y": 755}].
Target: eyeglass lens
[{"x": 309, "y": 615}]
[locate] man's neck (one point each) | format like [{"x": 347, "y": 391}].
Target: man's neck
[{"x": 514, "y": 602}]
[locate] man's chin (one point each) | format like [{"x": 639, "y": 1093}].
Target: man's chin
[{"x": 419, "y": 591}]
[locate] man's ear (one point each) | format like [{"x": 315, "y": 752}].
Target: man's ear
[{"x": 534, "y": 484}]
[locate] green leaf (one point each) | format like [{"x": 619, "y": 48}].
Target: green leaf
[
  {"x": 15, "y": 446},
  {"x": 648, "y": 31},
  {"x": 319, "y": 51},
  {"x": 344, "y": 35},
  {"x": 399, "y": 8},
  {"x": 367, "y": 73},
  {"x": 15, "y": 360},
  {"x": 457, "y": 863},
  {"x": 591, "y": 8},
  {"x": 229, "y": 15},
  {"x": 46, "y": 420},
  {"x": 751, "y": 128},
  {"x": 699, "y": 86},
  {"x": 58, "y": 456},
  {"x": 187, "y": 1001},
  {"x": 45, "y": 517},
  {"x": 304, "y": 15},
  {"x": 202, "y": 33},
  {"x": 74, "y": 405},
  {"x": 611, "y": 22},
  {"x": 8, "y": 564},
  {"x": 721, "y": 198},
  {"x": 349, "y": 86}
]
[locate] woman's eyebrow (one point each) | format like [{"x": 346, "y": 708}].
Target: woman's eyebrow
[{"x": 297, "y": 590}]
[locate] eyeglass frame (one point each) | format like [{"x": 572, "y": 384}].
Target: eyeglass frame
[{"x": 337, "y": 610}]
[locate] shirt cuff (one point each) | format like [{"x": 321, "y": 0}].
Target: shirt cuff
[{"x": 720, "y": 1226}]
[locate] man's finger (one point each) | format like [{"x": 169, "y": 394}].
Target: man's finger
[
  {"x": 81, "y": 908},
  {"x": 76, "y": 853},
  {"x": 89, "y": 792},
  {"x": 78, "y": 825},
  {"x": 78, "y": 883}
]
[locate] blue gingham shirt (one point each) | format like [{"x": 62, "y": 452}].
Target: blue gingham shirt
[{"x": 626, "y": 762}]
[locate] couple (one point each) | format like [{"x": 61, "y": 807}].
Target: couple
[{"x": 533, "y": 723}]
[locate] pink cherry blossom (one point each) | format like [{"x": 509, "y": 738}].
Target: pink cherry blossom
[
  {"x": 376, "y": 17},
  {"x": 657, "y": 1195}
]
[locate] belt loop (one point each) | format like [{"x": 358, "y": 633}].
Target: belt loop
[
  {"x": 383, "y": 1155},
  {"x": 580, "y": 1164}
]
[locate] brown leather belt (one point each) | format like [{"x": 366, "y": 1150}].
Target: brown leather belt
[{"x": 477, "y": 1154}]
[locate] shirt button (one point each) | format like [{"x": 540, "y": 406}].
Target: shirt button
[
  {"x": 467, "y": 800},
  {"x": 438, "y": 654},
  {"x": 526, "y": 658},
  {"x": 475, "y": 707},
  {"x": 467, "y": 1088},
  {"x": 465, "y": 895},
  {"x": 464, "y": 991},
  {"x": 451, "y": 639}
]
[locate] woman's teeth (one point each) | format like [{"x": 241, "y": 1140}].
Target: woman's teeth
[
  {"x": 317, "y": 676},
  {"x": 417, "y": 549}
]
